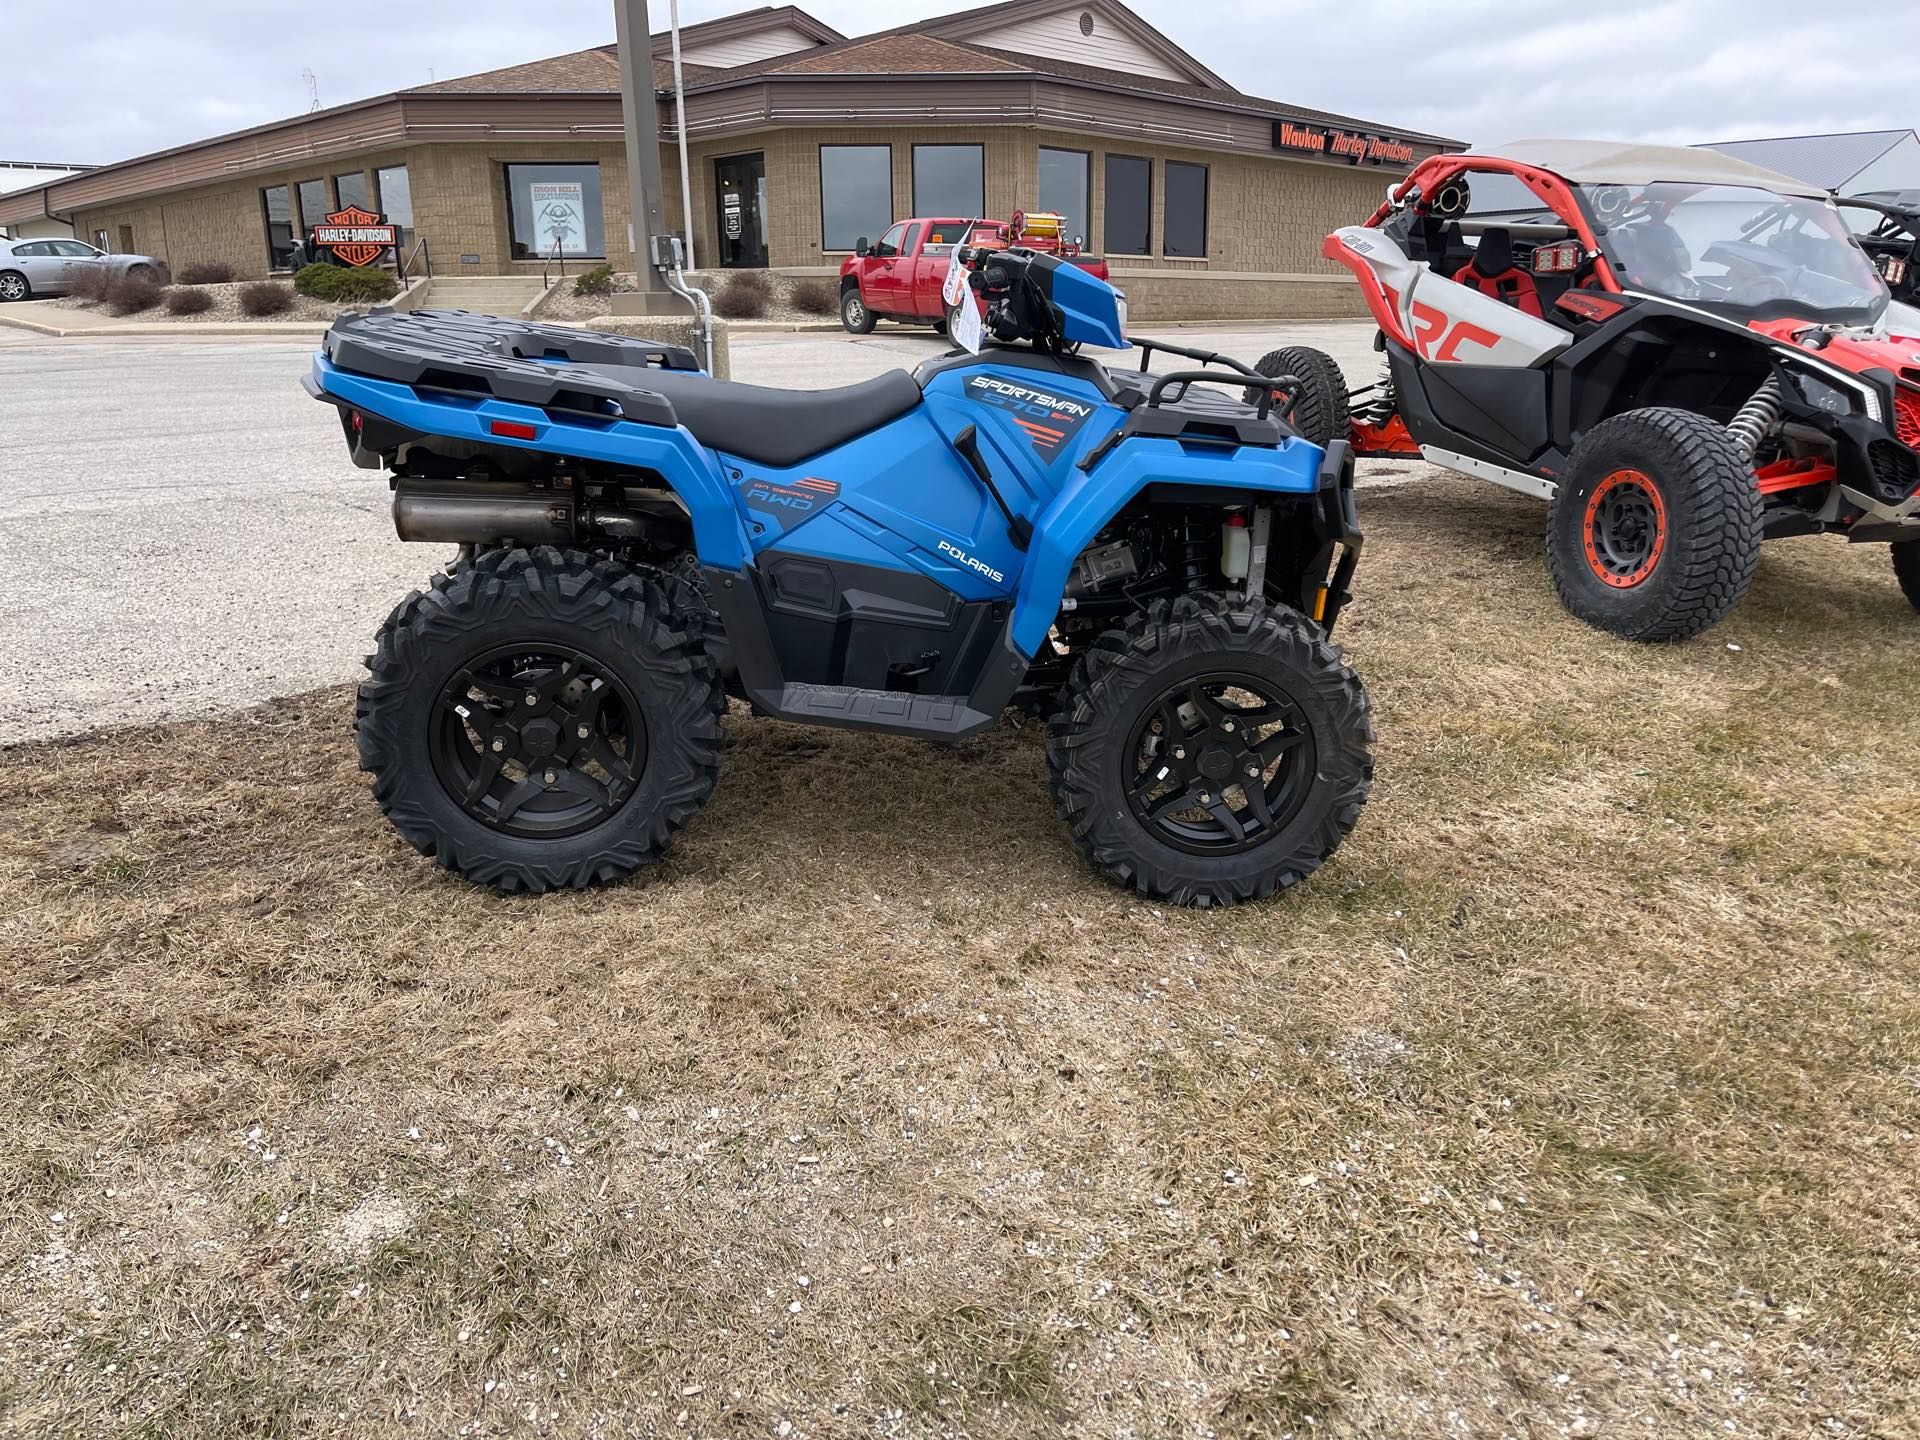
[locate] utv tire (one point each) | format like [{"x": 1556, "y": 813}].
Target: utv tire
[
  {"x": 1654, "y": 532},
  {"x": 1906, "y": 569},
  {"x": 854, "y": 314},
  {"x": 1155, "y": 739},
  {"x": 1320, "y": 414},
  {"x": 14, "y": 286},
  {"x": 480, "y": 690}
]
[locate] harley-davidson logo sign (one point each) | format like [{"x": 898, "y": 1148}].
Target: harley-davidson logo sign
[{"x": 356, "y": 236}]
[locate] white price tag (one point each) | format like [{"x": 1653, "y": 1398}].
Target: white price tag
[{"x": 969, "y": 331}]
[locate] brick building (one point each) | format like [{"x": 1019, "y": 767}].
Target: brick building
[{"x": 1205, "y": 200}]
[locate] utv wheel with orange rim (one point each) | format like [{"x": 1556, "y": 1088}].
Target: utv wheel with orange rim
[{"x": 1654, "y": 531}]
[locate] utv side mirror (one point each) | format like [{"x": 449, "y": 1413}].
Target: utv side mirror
[{"x": 860, "y": 247}]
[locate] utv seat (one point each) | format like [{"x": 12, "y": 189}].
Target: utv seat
[
  {"x": 1492, "y": 272},
  {"x": 781, "y": 427}
]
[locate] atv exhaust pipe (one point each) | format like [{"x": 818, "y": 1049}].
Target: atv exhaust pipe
[{"x": 481, "y": 512}]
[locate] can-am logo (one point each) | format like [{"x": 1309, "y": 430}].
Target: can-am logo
[{"x": 1049, "y": 421}]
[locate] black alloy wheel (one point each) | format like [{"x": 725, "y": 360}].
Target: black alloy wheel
[
  {"x": 1219, "y": 764},
  {"x": 540, "y": 744}
]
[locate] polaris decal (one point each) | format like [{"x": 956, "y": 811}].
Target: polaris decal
[
  {"x": 1049, "y": 421},
  {"x": 981, "y": 566},
  {"x": 801, "y": 498}
]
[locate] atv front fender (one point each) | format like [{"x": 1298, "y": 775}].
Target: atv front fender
[{"x": 1091, "y": 499}]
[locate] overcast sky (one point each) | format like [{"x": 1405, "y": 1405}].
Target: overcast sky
[{"x": 115, "y": 78}]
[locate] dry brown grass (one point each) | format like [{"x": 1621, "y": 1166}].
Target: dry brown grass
[{"x": 1577, "y": 1096}]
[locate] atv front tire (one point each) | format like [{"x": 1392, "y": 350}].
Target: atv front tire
[
  {"x": 1214, "y": 750},
  {"x": 1654, "y": 532},
  {"x": 1320, "y": 413},
  {"x": 540, "y": 719},
  {"x": 1906, "y": 569}
]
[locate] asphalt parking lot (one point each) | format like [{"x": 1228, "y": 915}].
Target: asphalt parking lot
[{"x": 181, "y": 533}]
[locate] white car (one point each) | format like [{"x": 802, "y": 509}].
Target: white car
[{"x": 33, "y": 268}]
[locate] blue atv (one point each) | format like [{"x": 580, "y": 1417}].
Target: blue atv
[{"x": 1152, "y": 564}]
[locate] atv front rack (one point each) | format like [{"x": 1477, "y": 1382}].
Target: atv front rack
[{"x": 548, "y": 366}]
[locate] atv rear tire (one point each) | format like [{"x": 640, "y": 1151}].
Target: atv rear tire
[
  {"x": 854, "y": 314},
  {"x": 540, "y": 719},
  {"x": 1320, "y": 414},
  {"x": 1155, "y": 740},
  {"x": 1906, "y": 569},
  {"x": 1654, "y": 532}
]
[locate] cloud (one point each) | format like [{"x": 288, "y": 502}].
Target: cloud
[{"x": 137, "y": 76}]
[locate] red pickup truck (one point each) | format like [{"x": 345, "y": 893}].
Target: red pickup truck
[{"x": 900, "y": 277}]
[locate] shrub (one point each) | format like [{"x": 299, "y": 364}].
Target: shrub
[
  {"x": 742, "y": 298},
  {"x": 815, "y": 297},
  {"x": 597, "y": 281},
  {"x": 131, "y": 294},
  {"x": 90, "y": 284},
  {"x": 340, "y": 283},
  {"x": 188, "y": 301},
  {"x": 205, "y": 272},
  {"x": 265, "y": 297}
]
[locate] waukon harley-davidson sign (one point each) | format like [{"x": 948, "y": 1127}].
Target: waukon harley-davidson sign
[
  {"x": 1341, "y": 144},
  {"x": 355, "y": 236}
]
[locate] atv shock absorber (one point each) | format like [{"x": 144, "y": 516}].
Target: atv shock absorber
[
  {"x": 1375, "y": 405},
  {"x": 1758, "y": 417}
]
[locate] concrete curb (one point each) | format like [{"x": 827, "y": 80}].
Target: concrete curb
[{"x": 215, "y": 329}]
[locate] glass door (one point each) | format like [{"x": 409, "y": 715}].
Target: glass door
[{"x": 740, "y": 191}]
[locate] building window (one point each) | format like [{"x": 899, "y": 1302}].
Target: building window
[
  {"x": 950, "y": 180},
  {"x": 351, "y": 189},
  {"x": 394, "y": 192},
  {"x": 313, "y": 204},
  {"x": 1129, "y": 205},
  {"x": 1064, "y": 176},
  {"x": 100, "y": 241},
  {"x": 275, "y": 201},
  {"x": 126, "y": 240},
  {"x": 1186, "y": 222},
  {"x": 856, "y": 193},
  {"x": 555, "y": 210}
]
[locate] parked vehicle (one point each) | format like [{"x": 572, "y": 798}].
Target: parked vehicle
[
  {"x": 1894, "y": 240},
  {"x": 1155, "y": 566},
  {"x": 36, "y": 269},
  {"x": 1681, "y": 353},
  {"x": 900, "y": 276}
]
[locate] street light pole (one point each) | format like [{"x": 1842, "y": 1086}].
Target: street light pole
[{"x": 643, "y": 158}]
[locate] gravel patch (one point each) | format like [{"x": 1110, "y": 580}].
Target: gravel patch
[
  {"x": 226, "y": 308},
  {"x": 563, "y": 305}
]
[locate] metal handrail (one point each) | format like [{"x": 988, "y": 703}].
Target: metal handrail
[
  {"x": 420, "y": 247},
  {"x": 546, "y": 279}
]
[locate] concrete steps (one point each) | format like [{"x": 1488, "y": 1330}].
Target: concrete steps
[{"x": 504, "y": 295}]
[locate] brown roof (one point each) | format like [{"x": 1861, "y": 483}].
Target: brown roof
[
  {"x": 891, "y": 55},
  {"x": 595, "y": 71}
]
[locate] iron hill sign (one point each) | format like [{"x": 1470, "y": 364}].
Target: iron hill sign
[{"x": 355, "y": 236}]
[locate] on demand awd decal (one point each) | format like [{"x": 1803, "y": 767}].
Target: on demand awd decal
[{"x": 1048, "y": 420}]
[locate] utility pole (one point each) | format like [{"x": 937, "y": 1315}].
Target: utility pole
[{"x": 643, "y": 159}]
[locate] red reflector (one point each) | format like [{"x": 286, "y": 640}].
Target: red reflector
[{"x": 512, "y": 429}]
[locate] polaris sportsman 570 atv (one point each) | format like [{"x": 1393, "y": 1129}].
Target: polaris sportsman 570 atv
[
  {"x": 1682, "y": 353},
  {"x": 1154, "y": 565}
]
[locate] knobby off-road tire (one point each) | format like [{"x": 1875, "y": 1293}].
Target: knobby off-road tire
[
  {"x": 854, "y": 314},
  {"x": 1320, "y": 414},
  {"x": 1654, "y": 532},
  {"x": 1113, "y": 762},
  {"x": 1906, "y": 569},
  {"x": 643, "y": 688}
]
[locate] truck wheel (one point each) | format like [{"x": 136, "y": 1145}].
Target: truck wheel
[
  {"x": 1654, "y": 531},
  {"x": 1320, "y": 414},
  {"x": 539, "y": 719},
  {"x": 1906, "y": 569},
  {"x": 1214, "y": 750},
  {"x": 854, "y": 314}
]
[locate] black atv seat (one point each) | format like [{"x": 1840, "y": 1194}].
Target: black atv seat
[{"x": 781, "y": 427}]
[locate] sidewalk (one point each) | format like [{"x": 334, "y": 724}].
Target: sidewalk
[{"x": 46, "y": 317}]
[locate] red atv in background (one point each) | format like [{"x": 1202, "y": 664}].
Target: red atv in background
[
  {"x": 1683, "y": 354},
  {"x": 899, "y": 278}
]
